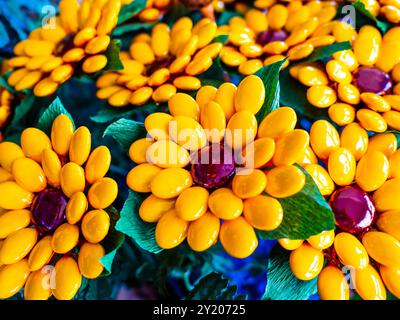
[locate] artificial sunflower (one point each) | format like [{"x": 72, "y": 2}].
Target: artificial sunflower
[{"x": 52, "y": 211}]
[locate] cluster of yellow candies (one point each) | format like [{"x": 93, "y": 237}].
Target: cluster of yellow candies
[
  {"x": 47, "y": 199},
  {"x": 206, "y": 161},
  {"x": 365, "y": 172},
  {"x": 388, "y": 9},
  {"x": 77, "y": 38},
  {"x": 159, "y": 64},
  {"x": 291, "y": 29},
  {"x": 369, "y": 75}
]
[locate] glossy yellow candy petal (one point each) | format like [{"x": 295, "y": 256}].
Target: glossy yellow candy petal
[
  {"x": 212, "y": 119},
  {"x": 290, "y": 147},
  {"x": 187, "y": 83},
  {"x": 348, "y": 93},
  {"x": 51, "y": 165},
  {"x": 68, "y": 279},
  {"x": 372, "y": 170},
  {"x": 355, "y": 139},
  {"x": 169, "y": 183},
  {"x": 250, "y": 94},
  {"x": 368, "y": 284},
  {"x": 203, "y": 232},
  {"x": 137, "y": 150},
  {"x": 238, "y": 238},
  {"x": 371, "y": 120},
  {"x": 249, "y": 183},
  {"x": 277, "y": 16},
  {"x": 36, "y": 287},
  {"x": 95, "y": 225},
  {"x": 205, "y": 95},
  {"x": 98, "y": 164},
  {"x": 322, "y": 240},
  {"x": 324, "y": 138},
  {"x": 241, "y": 129},
  {"x": 342, "y": 166},
  {"x": 80, "y": 145},
  {"x": 14, "y": 220},
  {"x": 13, "y": 197},
  {"x": 160, "y": 40},
  {"x": 290, "y": 244},
  {"x": 157, "y": 124},
  {"x": 140, "y": 177},
  {"x": 9, "y": 152},
  {"x": 103, "y": 193},
  {"x": 225, "y": 204},
  {"x": 375, "y": 102},
  {"x": 321, "y": 178},
  {"x": 338, "y": 71},
  {"x": 310, "y": 75},
  {"x": 285, "y": 181},
  {"x": 12, "y": 278},
  {"x": 192, "y": 203},
  {"x": 18, "y": 245},
  {"x": 383, "y": 248},
  {"x": 89, "y": 260},
  {"x": 342, "y": 113},
  {"x": 250, "y": 67},
  {"x": 164, "y": 92},
  {"x": 29, "y": 175},
  {"x": 152, "y": 208},
  {"x": 76, "y": 207},
  {"x": 389, "y": 223},
  {"x": 65, "y": 238},
  {"x": 33, "y": 142},
  {"x": 263, "y": 212},
  {"x": 142, "y": 52},
  {"x": 391, "y": 279},
  {"x": 187, "y": 132},
  {"x": 277, "y": 123},
  {"x": 41, "y": 254},
  {"x": 182, "y": 104},
  {"x": 72, "y": 179},
  {"x": 171, "y": 230},
  {"x": 366, "y": 46},
  {"x": 259, "y": 153},
  {"x": 321, "y": 96},
  {"x": 225, "y": 97},
  {"x": 332, "y": 284},
  {"x": 306, "y": 262},
  {"x": 94, "y": 63},
  {"x": 385, "y": 198},
  {"x": 350, "y": 251}
]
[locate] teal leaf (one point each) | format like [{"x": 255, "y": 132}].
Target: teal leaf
[
  {"x": 112, "y": 53},
  {"x": 270, "y": 78},
  {"x": 365, "y": 17},
  {"x": 129, "y": 10},
  {"x": 227, "y": 15},
  {"x": 20, "y": 112},
  {"x": 304, "y": 214},
  {"x": 294, "y": 94},
  {"x": 46, "y": 119},
  {"x": 131, "y": 27},
  {"x": 4, "y": 83},
  {"x": 125, "y": 132},
  {"x": 213, "y": 286},
  {"x": 282, "y": 284},
  {"x": 322, "y": 53},
  {"x": 130, "y": 224},
  {"x": 222, "y": 38},
  {"x": 112, "y": 242}
]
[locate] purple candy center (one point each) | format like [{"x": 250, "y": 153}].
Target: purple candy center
[
  {"x": 214, "y": 166},
  {"x": 353, "y": 209},
  {"x": 48, "y": 209},
  {"x": 265, "y": 37},
  {"x": 369, "y": 79}
]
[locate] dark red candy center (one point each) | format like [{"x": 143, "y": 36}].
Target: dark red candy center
[
  {"x": 353, "y": 209},
  {"x": 48, "y": 210},
  {"x": 214, "y": 166},
  {"x": 369, "y": 79},
  {"x": 267, "y": 36}
]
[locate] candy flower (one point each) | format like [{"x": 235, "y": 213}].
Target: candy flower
[
  {"x": 284, "y": 29},
  {"x": 212, "y": 172},
  {"x": 53, "y": 196},
  {"x": 159, "y": 64},
  {"x": 361, "y": 83},
  {"x": 362, "y": 185},
  {"x": 74, "y": 41}
]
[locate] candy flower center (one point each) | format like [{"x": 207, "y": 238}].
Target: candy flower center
[
  {"x": 369, "y": 79},
  {"x": 353, "y": 209},
  {"x": 48, "y": 209},
  {"x": 268, "y": 36},
  {"x": 214, "y": 166}
]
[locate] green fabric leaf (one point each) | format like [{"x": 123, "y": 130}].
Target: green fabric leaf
[
  {"x": 270, "y": 78},
  {"x": 128, "y": 11},
  {"x": 108, "y": 113},
  {"x": 48, "y": 116},
  {"x": 304, "y": 214},
  {"x": 130, "y": 224},
  {"x": 20, "y": 112},
  {"x": 223, "y": 38},
  {"x": 4, "y": 83},
  {"x": 282, "y": 284},
  {"x": 125, "y": 132},
  {"x": 112, "y": 242},
  {"x": 213, "y": 286},
  {"x": 227, "y": 15},
  {"x": 131, "y": 27},
  {"x": 365, "y": 17},
  {"x": 321, "y": 53},
  {"x": 294, "y": 95},
  {"x": 112, "y": 53}
]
